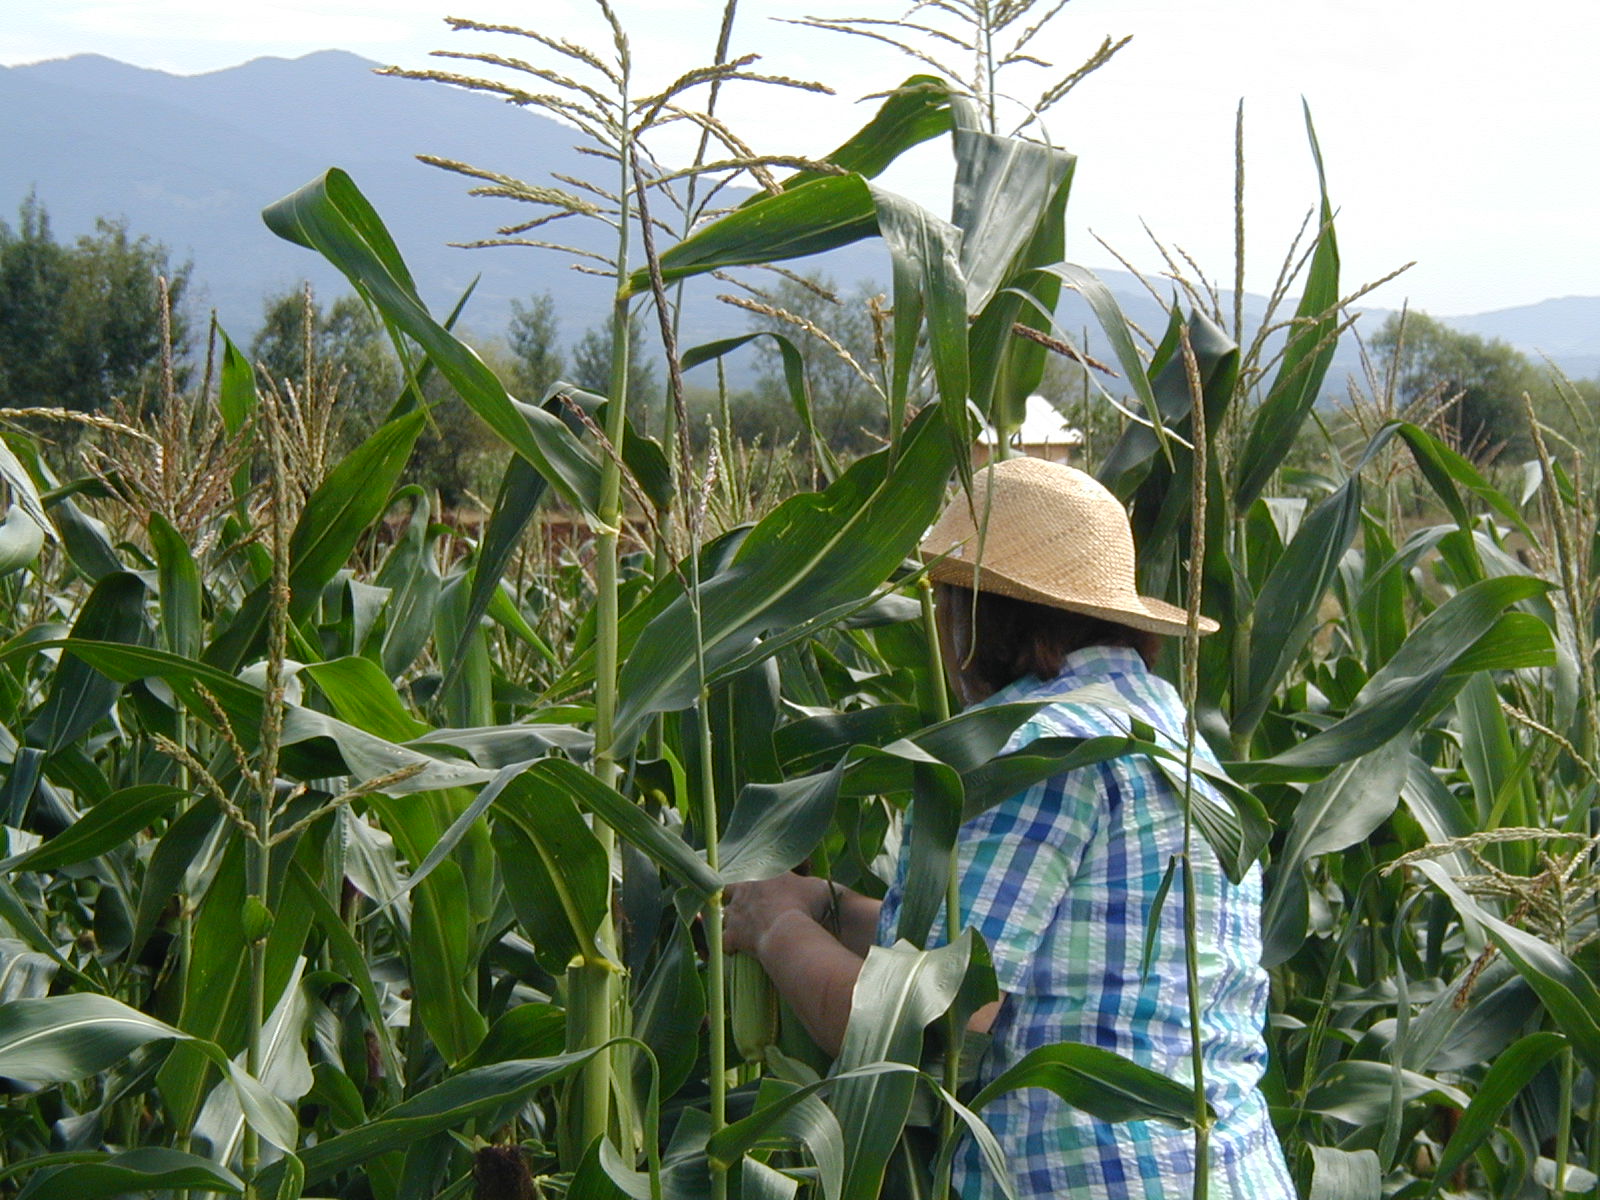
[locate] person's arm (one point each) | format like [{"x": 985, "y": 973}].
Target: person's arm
[
  {"x": 857, "y": 918},
  {"x": 814, "y": 972},
  {"x": 778, "y": 920}
]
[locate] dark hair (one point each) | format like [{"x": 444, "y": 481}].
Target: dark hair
[{"x": 996, "y": 640}]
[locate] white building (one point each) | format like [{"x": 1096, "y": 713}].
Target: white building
[{"x": 1044, "y": 433}]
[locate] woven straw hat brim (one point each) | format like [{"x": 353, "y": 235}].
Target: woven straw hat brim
[
  {"x": 1050, "y": 534},
  {"x": 1153, "y": 616}
]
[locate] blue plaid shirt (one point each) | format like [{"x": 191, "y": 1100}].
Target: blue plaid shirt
[{"x": 1059, "y": 880}]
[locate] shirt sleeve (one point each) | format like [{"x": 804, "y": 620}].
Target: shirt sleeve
[{"x": 1016, "y": 861}]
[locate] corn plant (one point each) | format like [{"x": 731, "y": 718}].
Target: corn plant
[{"x": 316, "y": 885}]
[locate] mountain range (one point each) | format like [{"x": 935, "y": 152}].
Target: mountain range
[{"x": 191, "y": 161}]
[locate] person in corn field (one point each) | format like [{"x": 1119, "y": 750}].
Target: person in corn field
[{"x": 1061, "y": 878}]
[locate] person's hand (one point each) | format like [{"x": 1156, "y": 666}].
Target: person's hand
[{"x": 752, "y": 911}]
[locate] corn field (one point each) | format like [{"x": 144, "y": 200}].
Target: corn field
[{"x": 350, "y": 853}]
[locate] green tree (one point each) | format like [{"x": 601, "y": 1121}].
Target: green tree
[
  {"x": 1480, "y": 380},
  {"x": 826, "y": 328},
  {"x": 537, "y": 361},
  {"x": 349, "y": 356},
  {"x": 352, "y": 368},
  {"x": 591, "y": 363},
  {"x": 80, "y": 324}
]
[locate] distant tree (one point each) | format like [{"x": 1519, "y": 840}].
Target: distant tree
[
  {"x": 537, "y": 361},
  {"x": 80, "y": 324},
  {"x": 591, "y": 363},
  {"x": 848, "y": 413},
  {"x": 349, "y": 355},
  {"x": 1481, "y": 379}
]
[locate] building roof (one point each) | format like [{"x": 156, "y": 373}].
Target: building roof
[{"x": 1042, "y": 425}]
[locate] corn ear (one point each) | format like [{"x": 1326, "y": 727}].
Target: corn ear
[{"x": 754, "y": 1004}]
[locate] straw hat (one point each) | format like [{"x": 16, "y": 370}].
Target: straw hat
[{"x": 1055, "y": 536}]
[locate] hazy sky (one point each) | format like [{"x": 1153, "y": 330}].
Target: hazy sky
[{"x": 1457, "y": 133}]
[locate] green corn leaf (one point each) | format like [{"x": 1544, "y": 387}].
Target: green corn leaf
[
  {"x": 285, "y": 1071},
  {"x": 215, "y": 1008},
  {"x": 832, "y": 211},
  {"x": 1099, "y": 1082},
  {"x": 236, "y": 403},
  {"x": 293, "y": 1180},
  {"x": 809, "y": 1122},
  {"x": 1010, "y": 205},
  {"x": 965, "y": 741},
  {"x": 794, "y": 377},
  {"x": 460, "y": 829},
  {"x": 1162, "y": 475},
  {"x": 554, "y": 870},
  {"x": 469, "y": 700},
  {"x": 665, "y": 847},
  {"x": 928, "y": 286},
  {"x": 352, "y": 496},
  {"x": 85, "y": 540},
  {"x": 531, "y": 1030},
  {"x": 361, "y": 694},
  {"x": 1378, "y": 612},
  {"x": 899, "y": 993},
  {"x": 449, "y": 1105},
  {"x": 1508, "y": 1075},
  {"x": 521, "y": 491},
  {"x": 1338, "y": 1174},
  {"x": 348, "y": 956},
  {"x": 915, "y": 112},
  {"x": 443, "y": 970},
  {"x": 775, "y": 826},
  {"x": 810, "y": 554},
  {"x": 603, "y": 1175},
  {"x": 24, "y": 493},
  {"x": 410, "y": 572},
  {"x": 331, "y": 216},
  {"x": 19, "y": 915},
  {"x": 1401, "y": 692},
  {"x": 1444, "y": 469},
  {"x": 21, "y": 540},
  {"x": 797, "y": 1113},
  {"x": 1487, "y": 750},
  {"x": 1288, "y": 606},
  {"x": 937, "y": 798},
  {"x": 817, "y": 215},
  {"x": 1006, "y": 190},
  {"x": 1435, "y": 808},
  {"x": 306, "y": 733},
  {"x": 1306, "y": 357},
  {"x": 1152, "y": 927},
  {"x": 1117, "y": 330},
  {"x": 668, "y": 1013},
  {"x": 818, "y": 741},
  {"x": 1568, "y": 994},
  {"x": 79, "y": 694},
  {"x": 109, "y": 824},
  {"x": 179, "y": 586},
  {"x": 761, "y": 1182},
  {"x": 59, "y": 1039},
  {"x": 1516, "y": 641},
  {"x": 1361, "y": 1093},
  {"x": 147, "y": 1169},
  {"x": 1335, "y": 813},
  {"x": 176, "y": 849}
]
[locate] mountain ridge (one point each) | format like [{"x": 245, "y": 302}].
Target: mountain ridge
[{"x": 190, "y": 160}]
